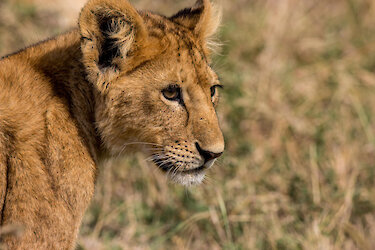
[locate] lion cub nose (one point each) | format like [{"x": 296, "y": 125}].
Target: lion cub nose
[{"x": 207, "y": 155}]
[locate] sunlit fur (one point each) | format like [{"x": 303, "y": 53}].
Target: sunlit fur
[{"x": 75, "y": 99}]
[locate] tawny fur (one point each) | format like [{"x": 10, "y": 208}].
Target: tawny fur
[{"x": 70, "y": 101}]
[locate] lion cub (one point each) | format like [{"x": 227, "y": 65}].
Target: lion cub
[{"x": 123, "y": 77}]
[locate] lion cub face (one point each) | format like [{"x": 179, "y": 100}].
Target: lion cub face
[{"x": 155, "y": 86}]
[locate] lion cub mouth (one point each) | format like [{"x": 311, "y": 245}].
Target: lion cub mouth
[
  {"x": 181, "y": 175},
  {"x": 170, "y": 167},
  {"x": 181, "y": 163}
]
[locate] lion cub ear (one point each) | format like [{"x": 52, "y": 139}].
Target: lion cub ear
[
  {"x": 112, "y": 34},
  {"x": 203, "y": 19}
]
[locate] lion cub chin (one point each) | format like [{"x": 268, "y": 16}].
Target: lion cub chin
[{"x": 122, "y": 77}]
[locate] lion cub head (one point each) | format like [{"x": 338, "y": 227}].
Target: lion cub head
[{"x": 154, "y": 84}]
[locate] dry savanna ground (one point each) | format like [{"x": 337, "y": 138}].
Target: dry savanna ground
[{"x": 298, "y": 113}]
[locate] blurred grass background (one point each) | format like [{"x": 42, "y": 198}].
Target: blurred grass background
[{"x": 297, "y": 112}]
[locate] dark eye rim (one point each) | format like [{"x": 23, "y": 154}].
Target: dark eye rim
[
  {"x": 214, "y": 87},
  {"x": 172, "y": 88}
]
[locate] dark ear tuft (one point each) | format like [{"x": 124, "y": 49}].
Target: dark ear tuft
[
  {"x": 203, "y": 19},
  {"x": 188, "y": 17},
  {"x": 110, "y": 47}
]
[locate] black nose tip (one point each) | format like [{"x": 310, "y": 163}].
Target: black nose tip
[{"x": 207, "y": 155}]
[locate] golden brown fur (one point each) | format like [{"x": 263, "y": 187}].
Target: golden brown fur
[{"x": 70, "y": 101}]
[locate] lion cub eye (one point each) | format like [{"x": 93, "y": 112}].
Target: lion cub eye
[
  {"x": 172, "y": 93},
  {"x": 213, "y": 89}
]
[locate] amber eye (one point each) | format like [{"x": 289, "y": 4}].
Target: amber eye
[
  {"x": 213, "y": 89},
  {"x": 172, "y": 93}
]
